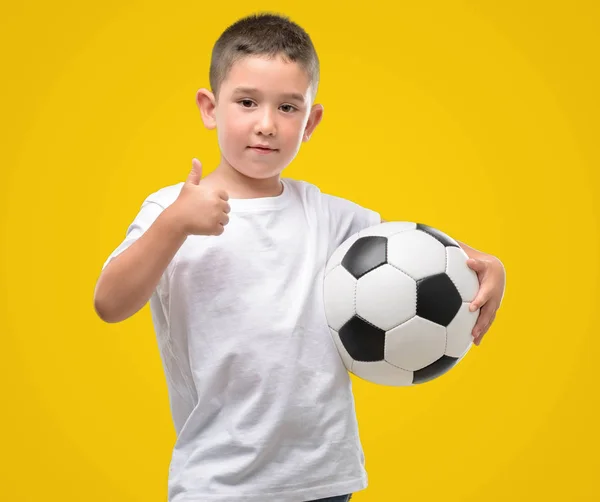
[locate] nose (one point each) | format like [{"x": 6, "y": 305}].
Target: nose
[{"x": 266, "y": 123}]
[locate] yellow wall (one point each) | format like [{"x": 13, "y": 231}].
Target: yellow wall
[{"x": 478, "y": 118}]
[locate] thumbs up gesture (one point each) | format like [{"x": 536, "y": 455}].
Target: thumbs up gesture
[{"x": 201, "y": 210}]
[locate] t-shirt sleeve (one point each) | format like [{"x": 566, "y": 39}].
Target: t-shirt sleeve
[
  {"x": 146, "y": 216},
  {"x": 346, "y": 218}
]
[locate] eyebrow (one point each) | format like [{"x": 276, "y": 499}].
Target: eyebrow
[{"x": 254, "y": 90}]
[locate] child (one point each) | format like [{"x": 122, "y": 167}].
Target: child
[{"x": 232, "y": 264}]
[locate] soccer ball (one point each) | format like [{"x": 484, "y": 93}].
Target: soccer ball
[{"x": 397, "y": 301}]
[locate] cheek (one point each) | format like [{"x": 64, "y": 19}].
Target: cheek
[
  {"x": 292, "y": 131},
  {"x": 301, "y": 126},
  {"x": 232, "y": 130}
]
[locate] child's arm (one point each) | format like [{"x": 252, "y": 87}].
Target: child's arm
[{"x": 128, "y": 281}]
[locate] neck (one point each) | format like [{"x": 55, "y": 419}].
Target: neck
[{"x": 240, "y": 186}]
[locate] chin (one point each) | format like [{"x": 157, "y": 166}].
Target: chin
[
  {"x": 259, "y": 171},
  {"x": 258, "y": 174}
]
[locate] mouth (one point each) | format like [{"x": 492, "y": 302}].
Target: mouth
[{"x": 263, "y": 149}]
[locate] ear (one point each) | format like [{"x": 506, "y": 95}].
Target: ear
[
  {"x": 316, "y": 114},
  {"x": 205, "y": 100}
]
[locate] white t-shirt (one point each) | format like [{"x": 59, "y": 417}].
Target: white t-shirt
[{"x": 261, "y": 401}]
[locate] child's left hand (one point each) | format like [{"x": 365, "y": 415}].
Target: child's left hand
[{"x": 492, "y": 281}]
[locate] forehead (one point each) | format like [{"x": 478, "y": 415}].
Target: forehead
[{"x": 268, "y": 75}]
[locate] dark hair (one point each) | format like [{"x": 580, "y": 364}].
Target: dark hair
[{"x": 263, "y": 34}]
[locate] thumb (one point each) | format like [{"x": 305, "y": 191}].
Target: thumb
[{"x": 196, "y": 173}]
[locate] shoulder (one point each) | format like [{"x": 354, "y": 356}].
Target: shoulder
[
  {"x": 310, "y": 193},
  {"x": 165, "y": 196},
  {"x": 304, "y": 190},
  {"x": 300, "y": 185},
  {"x": 315, "y": 191}
]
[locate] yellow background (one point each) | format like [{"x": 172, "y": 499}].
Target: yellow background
[{"x": 479, "y": 118}]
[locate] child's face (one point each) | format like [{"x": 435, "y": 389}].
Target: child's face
[{"x": 255, "y": 108}]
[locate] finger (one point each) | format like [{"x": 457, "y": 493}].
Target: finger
[
  {"x": 491, "y": 321},
  {"x": 476, "y": 265},
  {"x": 220, "y": 229},
  {"x": 486, "y": 316},
  {"x": 478, "y": 339},
  {"x": 481, "y": 299},
  {"x": 226, "y": 208},
  {"x": 482, "y": 321},
  {"x": 224, "y": 220},
  {"x": 223, "y": 195}
]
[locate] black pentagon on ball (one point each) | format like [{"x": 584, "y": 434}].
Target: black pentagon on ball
[
  {"x": 365, "y": 254},
  {"x": 435, "y": 369},
  {"x": 437, "y": 234},
  {"x": 362, "y": 340},
  {"x": 438, "y": 300}
]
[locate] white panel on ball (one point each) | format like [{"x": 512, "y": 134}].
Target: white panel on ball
[
  {"x": 346, "y": 358},
  {"x": 388, "y": 228},
  {"x": 415, "y": 344},
  {"x": 416, "y": 253},
  {"x": 339, "y": 287},
  {"x": 464, "y": 278},
  {"x": 458, "y": 332},
  {"x": 386, "y": 297},
  {"x": 382, "y": 373}
]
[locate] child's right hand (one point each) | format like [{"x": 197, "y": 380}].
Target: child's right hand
[{"x": 201, "y": 210}]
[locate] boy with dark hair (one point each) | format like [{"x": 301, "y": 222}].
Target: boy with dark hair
[{"x": 232, "y": 265}]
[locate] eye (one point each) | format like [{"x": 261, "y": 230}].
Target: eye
[{"x": 247, "y": 103}]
